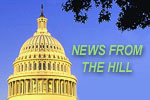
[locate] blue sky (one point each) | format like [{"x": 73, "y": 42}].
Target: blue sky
[{"x": 18, "y": 23}]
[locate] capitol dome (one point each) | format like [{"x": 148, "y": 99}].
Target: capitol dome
[
  {"x": 41, "y": 46},
  {"x": 42, "y": 71},
  {"x": 42, "y": 43}
]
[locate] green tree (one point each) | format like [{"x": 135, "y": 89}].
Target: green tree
[{"x": 133, "y": 14}]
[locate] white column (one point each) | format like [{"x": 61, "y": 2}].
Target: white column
[
  {"x": 59, "y": 89},
  {"x": 36, "y": 85},
  {"x": 64, "y": 87},
  {"x": 27, "y": 87},
  {"x": 31, "y": 86},
  {"x": 19, "y": 88},
  {"x": 53, "y": 86},
  {"x": 15, "y": 88},
  {"x": 8, "y": 89},
  {"x": 75, "y": 89},
  {"x": 68, "y": 88},
  {"x": 56, "y": 87},
  {"x": 47, "y": 86},
  {"x": 42, "y": 85},
  {"x": 24, "y": 86}
]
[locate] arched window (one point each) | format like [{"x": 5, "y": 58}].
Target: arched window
[
  {"x": 49, "y": 66},
  {"x": 44, "y": 56},
  {"x": 22, "y": 67},
  {"x": 58, "y": 67},
  {"x": 54, "y": 67},
  {"x": 44, "y": 66},
  {"x": 34, "y": 56},
  {"x": 25, "y": 67},
  {"x": 40, "y": 46},
  {"x": 40, "y": 66},
  {"x": 18, "y": 68},
  {"x": 62, "y": 67},
  {"x": 30, "y": 66},
  {"x": 34, "y": 66}
]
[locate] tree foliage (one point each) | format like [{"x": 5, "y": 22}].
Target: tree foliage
[{"x": 133, "y": 14}]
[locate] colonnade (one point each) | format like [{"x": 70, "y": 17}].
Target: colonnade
[
  {"x": 42, "y": 65},
  {"x": 42, "y": 86}
]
